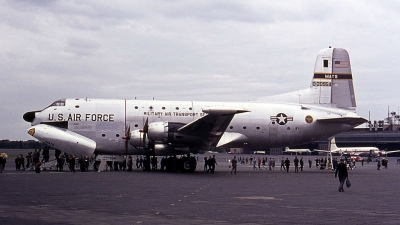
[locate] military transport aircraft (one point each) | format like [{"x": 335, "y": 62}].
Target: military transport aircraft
[{"x": 138, "y": 127}]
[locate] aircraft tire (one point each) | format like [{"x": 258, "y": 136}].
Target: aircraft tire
[{"x": 188, "y": 165}]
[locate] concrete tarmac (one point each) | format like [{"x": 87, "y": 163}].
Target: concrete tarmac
[{"x": 249, "y": 197}]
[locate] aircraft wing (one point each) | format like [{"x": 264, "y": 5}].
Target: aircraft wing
[
  {"x": 353, "y": 121},
  {"x": 210, "y": 127}
]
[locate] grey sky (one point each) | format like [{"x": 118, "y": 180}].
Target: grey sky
[{"x": 189, "y": 50}]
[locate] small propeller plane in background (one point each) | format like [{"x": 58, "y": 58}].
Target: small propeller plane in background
[
  {"x": 358, "y": 151},
  {"x": 149, "y": 127},
  {"x": 297, "y": 150}
]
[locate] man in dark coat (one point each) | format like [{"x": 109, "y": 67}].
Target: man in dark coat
[
  {"x": 341, "y": 169},
  {"x": 287, "y": 164}
]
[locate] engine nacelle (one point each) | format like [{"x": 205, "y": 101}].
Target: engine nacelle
[
  {"x": 165, "y": 133},
  {"x": 136, "y": 139},
  {"x": 158, "y": 132}
]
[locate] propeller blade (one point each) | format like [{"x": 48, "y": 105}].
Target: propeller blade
[{"x": 145, "y": 131}]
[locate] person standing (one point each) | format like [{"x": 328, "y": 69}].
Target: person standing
[
  {"x": 1, "y": 163},
  {"x": 130, "y": 163},
  {"x": 4, "y": 161},
  {"x": 205, "y": 164},
  {"x": 270, "y": 163},
  {"x": 341, "y": 170},
  {"x": 296, "y": 164},
  {"x": 72, "y": 163},
  {"x": 287, "y": 164},
  {"x": 309, "y": 163},
  {"x": 301, "y": 163},
  {"x": 283, "y": 164},
  {"x": 234, "y": 164},
  {"x": 273, "y": 163},
  {"x": 212, "y": 162}
]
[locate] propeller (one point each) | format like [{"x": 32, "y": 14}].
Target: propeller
[
  {"x": 127, "y": 137},
  {"x": 145, "y": 131}
]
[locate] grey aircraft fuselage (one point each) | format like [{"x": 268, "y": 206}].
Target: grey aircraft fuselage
[{"x": 106, "y": 126}]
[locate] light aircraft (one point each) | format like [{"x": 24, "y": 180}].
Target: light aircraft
[{"x": 149, "y": 127}]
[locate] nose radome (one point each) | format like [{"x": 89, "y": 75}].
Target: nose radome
[{"x": 29, "y": 116}]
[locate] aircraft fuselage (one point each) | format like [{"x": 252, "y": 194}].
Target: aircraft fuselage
[{"x": 106, "y": 122}]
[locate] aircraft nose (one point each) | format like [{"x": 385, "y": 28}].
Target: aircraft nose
[{"x": 29, "y": 116}]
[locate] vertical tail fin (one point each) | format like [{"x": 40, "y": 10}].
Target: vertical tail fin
[
  {"x": 333, "y": 81},
  {"x": 333, "y": 145}
]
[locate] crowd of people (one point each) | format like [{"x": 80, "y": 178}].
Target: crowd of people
[
  {"x": 265, "y": 163},
  {"x": 65, "y": 162}
]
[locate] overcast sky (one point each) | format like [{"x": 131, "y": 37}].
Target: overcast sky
[{"x": 189, "y": 50}]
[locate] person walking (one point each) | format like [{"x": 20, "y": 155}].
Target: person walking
[
  {"x": 212, "y": 162},
  {"x": 234, "y": 164},
  {"x": 341, "y": 170}
]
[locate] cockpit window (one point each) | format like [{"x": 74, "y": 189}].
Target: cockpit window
[{"x": 60, "y": 102}]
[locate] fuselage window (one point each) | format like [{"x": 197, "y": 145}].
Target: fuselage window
[
  {"x": 117, "y": 135},
  {"x": 231, "y": 127},
  {"x": 244, "y": 128},
  {"x": 177, "y": 108},
  {"x": 136, "y": 107},
  {"x": 136, "y": 125},
  {"x": 103, "y": 135},
  {"x": 257, "y": 128},
  {"x": 151, "y": 107},
  {"x": 288, "y": 128},
  {"x": 163, "y": 108},
  {"x": 190, "y": 108}
]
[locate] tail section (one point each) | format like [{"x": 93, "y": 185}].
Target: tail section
[{"x": 332, "y": 82}]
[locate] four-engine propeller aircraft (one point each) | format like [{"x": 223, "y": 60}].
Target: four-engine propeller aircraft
[
  {"x": 355, "y": 151},
  {"x": 126, "y": 127},
  {"x": 297, "y": 150},
  {"x": 359, "y": 151}
]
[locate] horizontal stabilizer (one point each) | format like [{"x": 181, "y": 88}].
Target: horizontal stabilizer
[{"x": 352, "y": 121}]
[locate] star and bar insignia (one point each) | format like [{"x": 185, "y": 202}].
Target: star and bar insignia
[{"x": 281, "y": 118}]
